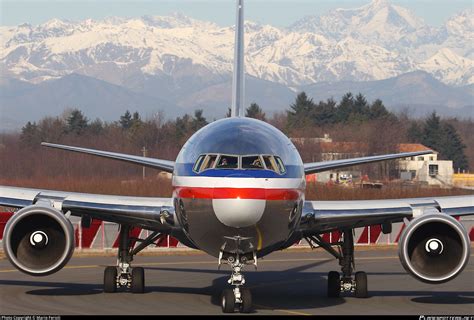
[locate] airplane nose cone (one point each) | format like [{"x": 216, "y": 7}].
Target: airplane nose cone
[
  {"x": 241, "y": 205},
  {"x": 238, "y": 213}
]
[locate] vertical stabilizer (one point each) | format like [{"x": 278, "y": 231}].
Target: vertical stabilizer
[{"x": 238, "y": 85}]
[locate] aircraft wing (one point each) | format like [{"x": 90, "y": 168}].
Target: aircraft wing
[
  {"x": 325, "y": 216},
  {"x": 315, "y": 167},
  {"x": 147, "y": 212},
  {"x": 164, "y": 165}
]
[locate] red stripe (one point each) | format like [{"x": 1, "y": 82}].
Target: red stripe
[{"x": 237, "y": 193}]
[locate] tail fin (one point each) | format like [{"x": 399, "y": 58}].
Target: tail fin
[{"x": 238, "y": 84}]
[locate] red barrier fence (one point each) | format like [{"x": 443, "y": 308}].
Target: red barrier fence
[{"x": 102, "y": 235}]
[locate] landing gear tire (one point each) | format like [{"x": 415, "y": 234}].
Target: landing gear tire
[
  {"x": 228, "y": 301},
  {"x": 246, "y": 297},
  {"x": 334, "y": 284},
  {"x": 138, "y": 280},
  {"x": 361, "y": 290},
  {"x": 110, "y": 279}
]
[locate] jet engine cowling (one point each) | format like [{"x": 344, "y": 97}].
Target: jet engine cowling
[
  {"x": 38, "y": 240},
  {"x": 434, "y": 248}
]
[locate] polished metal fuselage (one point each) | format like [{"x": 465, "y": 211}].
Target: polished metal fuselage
[{"x": 236, "y": 210}]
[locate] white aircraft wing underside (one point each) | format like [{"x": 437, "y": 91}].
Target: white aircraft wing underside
[
  {"x": 324, "y": 216},
  {"x": 148, "y": 212}
]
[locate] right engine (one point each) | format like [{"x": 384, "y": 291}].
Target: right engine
[
  {"x": 434, "y": 248},
  {"x": 38, "y": 240}
]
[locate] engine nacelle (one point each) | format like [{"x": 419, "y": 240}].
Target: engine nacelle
[
  {"x": 38, "y": 240},
  {"x": 434, "y": 248}
]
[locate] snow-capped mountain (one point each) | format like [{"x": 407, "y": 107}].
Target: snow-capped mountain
[
  {"x": 177, "y": 61},
  {"x": 373, "y": 42}
]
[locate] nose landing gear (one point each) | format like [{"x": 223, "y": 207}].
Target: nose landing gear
[{"x": 237, "y": 297}]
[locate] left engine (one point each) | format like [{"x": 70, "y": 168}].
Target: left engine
[
  {"x": 434, "y": 248},
  {"x": 38, "y": 240}
]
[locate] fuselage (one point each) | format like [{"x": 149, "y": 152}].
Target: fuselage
[{"x": 238, "y": 187}]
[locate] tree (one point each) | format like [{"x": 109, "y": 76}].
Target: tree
[
  {"x": 453, "y": 147},
  {"x": 126, "y": 120},
  {"x": 76, "y": 123},
  {"x": 415, "y": 133},
  {"x": 377, "y": 110},
  {"x": 324, "y": 112},
  {"x": 96, "y": 127},
  {"x": 30, "y": 135},
  {"x": 432, "y": 132},
  {"x": 300, "y": 111},
  {"x": 254, "y": 111},
  {"x": 345, "y": 107},
  {"x": 198, "y": 121}
]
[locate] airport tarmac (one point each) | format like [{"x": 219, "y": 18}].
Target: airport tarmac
[{"x": 286, "y": 283}]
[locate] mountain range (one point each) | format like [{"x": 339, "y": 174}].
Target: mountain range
[{"x": 177, "y": 64}]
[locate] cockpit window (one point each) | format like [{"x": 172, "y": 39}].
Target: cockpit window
[
  {"x": 252, "y": 162},
  {"x": 228, "y": 162},
  {"x": 281, "y": 166},
  {"x": 205, "y": 162},
  {"x": 270, "y": 163},
  {"x": 197, "y": 165}
]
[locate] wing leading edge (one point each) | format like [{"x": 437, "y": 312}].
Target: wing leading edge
[
  {"x": 315, "y": 167},
  {"x": 324, "y": 216},
  {"x": 164, "y": 165},
  {"x": 147, "y": 212}
]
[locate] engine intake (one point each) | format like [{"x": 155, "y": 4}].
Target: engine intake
[
  {"x": 434, "y": 248},
  {"x": 38, "y": 240}
]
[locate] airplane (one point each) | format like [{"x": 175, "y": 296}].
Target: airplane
[{"x": 238, "y": 195}]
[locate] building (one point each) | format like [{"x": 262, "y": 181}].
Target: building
[{"x": 425, "y": 169}]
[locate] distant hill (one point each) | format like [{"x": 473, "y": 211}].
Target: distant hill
[
  {"x": 21, "y": 102},
  {"x": 418, "y": 91}
]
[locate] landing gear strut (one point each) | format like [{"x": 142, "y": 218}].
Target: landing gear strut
[
  {"x": 123, "y": 275},
  {"x": 239, "y": 296},
  {"x": 345, "y": 255}
]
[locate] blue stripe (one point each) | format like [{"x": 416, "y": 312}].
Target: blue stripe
[{"x": 186, "y": 169}]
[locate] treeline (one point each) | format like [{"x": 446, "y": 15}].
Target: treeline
[{"x": 351, "y": 119}]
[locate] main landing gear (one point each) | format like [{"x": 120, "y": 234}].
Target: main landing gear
[
  {"x": 123, "y": 275},
  {"x": 345, "y": 255},
  {"x": 238, "y": 297}
]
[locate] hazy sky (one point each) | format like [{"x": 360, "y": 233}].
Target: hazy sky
[{"x": 274, "y": 12}]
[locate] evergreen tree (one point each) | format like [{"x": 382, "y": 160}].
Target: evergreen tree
[
  {"x": 361, "y": 108},
  {"x": 377, "y": 110},
  {"x": 415, "y": 133},
  {"x": 126, "y": 120},
  {"x": 300, "y": 113},
  {"x": 432, "y": 133},
  {"x": 324, "y": 112},
  {"x": 453, "y": 147},
  {"x": 136, "y": 119},
  {"x": 198, "y": 121},
  {"x": 30, "y": 135},
  {"x": 76, "y": 123},
  {"x": 254, "y": 111},
  {"x": 345, "y": 107}
]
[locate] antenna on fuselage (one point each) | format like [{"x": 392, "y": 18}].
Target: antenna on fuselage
[{"x": 238, "y": 84}]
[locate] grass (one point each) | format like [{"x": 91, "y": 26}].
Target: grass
[{"x": 161, "y": 187}]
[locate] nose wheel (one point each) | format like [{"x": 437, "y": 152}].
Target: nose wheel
[{"x": 238, "y": 297}]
